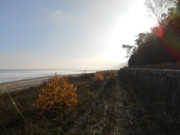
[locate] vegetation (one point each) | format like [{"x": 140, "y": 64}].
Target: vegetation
[
  {"x": 98, "y": 77},
  {"x": 116, "y": 105},
  {"x": 149, "y": 113},
  {"x": 162, "y": 44},
  {"x": 106, "y": 102},
  {"x": 31, "y": 111},
  {"x": 57, "y": 96}
]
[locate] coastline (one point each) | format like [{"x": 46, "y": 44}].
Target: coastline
[
  {"x": 23, "y": 84},
  {"x": 26, "y": 83}
]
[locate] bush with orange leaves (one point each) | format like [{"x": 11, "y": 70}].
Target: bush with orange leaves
[
  {"x": 98, "y": 77},
  {"x": 57, "y": 96}
]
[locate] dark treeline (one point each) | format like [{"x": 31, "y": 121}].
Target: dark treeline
[{"x": 162, "y": 44}]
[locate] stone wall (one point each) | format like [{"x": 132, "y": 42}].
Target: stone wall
[{"x": 162, "y": 82}]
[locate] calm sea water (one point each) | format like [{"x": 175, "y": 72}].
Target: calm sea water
[{"x": 20, "y": 74}]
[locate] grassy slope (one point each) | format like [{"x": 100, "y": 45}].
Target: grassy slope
[
  {"x": 19, "y": 116},
  {"x": 113, "y": 106},
  {"x": 149, "y": 113}
]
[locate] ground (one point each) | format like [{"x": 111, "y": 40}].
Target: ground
[{"x": 113, "y": 106}]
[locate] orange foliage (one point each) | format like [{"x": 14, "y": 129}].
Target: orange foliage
[
  {"x": 57, "y": 95},
  {"x": 108, "y": 71},
  {"x": 98, "y": 77},
  {"x": 110, "y": 77}
]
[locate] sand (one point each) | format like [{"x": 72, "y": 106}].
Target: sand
[
  {"x": 23, "y": 84},
  {"x": 28, "y": 83}
]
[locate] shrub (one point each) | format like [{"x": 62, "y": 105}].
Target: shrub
[
  {"x": 98, "y": 77},
  {"x": 57, "y": 96}
]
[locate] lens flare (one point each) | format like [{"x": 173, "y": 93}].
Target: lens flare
[{"x": 158, "y": 30}]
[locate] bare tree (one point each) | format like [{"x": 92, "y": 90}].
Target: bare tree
[
  {"x": 159, "y": 8},
  {"x": 174, "y": 1}
]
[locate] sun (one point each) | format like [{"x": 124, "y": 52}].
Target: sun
[{"x": 124, "y": 31}]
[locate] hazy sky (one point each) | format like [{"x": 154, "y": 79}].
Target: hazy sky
[{"x": 68, "y": 33}]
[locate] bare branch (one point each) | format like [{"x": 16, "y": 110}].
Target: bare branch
[{"x": 159, "y": 8}]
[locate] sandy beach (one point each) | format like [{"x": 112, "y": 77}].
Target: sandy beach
[
  {"x": 27, "y": 83},
  {"x": 23, "y": 84}
]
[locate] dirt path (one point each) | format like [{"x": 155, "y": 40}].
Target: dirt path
[
  {"x": 123, "y": 117},
  {"x": 83, "y": 118},
  {"x": 108, "y": 115}
]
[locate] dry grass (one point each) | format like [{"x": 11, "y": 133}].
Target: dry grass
[
  {"x": 150, "y": 114},
  {"x": 116, "y": 105},
  {"x": 19, "y": 116}
]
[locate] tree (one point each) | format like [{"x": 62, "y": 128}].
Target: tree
[
  {"x": 128, "y": 48},
  {"x": 142, "y": 38},
  {"x": 162, "y": 44},
  {"x": 159, "y": 8}
]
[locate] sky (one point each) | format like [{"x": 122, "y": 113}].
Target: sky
[{"x": 56, "y": 34}]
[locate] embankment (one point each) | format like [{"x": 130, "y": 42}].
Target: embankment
[{"x": 164, "y": 83}]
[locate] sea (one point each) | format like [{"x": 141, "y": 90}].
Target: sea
[{"x": 21, "y": 74}]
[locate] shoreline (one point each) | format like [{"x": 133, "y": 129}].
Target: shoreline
[
  {"x": 23, "y": 84},
  {"x": 27, "y": 83}
]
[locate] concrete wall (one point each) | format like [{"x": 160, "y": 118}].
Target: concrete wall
[{"x": 162, "y": 82}]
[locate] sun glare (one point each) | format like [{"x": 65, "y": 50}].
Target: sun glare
[{"x": 124, "y": 31}]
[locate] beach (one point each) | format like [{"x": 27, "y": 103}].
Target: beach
[
  {"x": 23, "y": 84},
  {"x": 20, "y": 79},
  {"x": 28, "y": 83}
]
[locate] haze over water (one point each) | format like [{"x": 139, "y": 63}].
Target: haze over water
[
  {"x": 67, "y": 35},
  {"x": 20, "y": 74}
]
